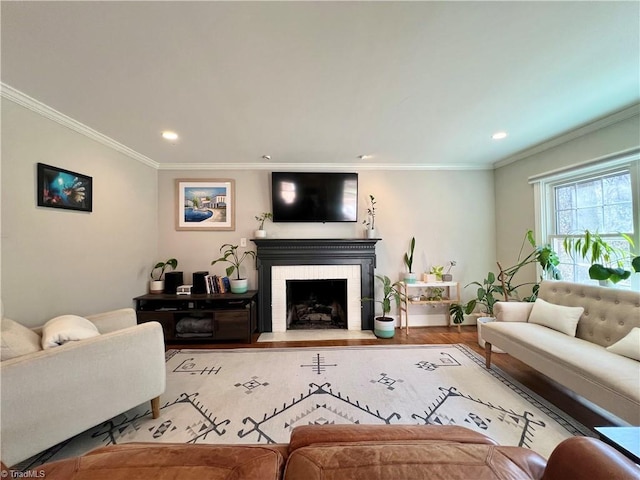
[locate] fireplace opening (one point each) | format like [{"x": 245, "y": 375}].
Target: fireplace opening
[{"x": 316, "y": 304}]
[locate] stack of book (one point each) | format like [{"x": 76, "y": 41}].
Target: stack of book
[{"x": 216, "y": 284}]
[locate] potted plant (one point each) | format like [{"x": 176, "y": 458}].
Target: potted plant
[
  {"x": 370, "y": 221},
  {"x": 410, "y": 277},
  {"x": 459, "y": 310},
  {"x": 434, "y": 294},
  {"x": 543, "y": 255},
  {"x": 230, "y": 255},
  {"x": 487, "y": 294},
  {"x": 447, "y": 276},
  {"x": 156, "y": 284},
  {"x": 438, "y": 271},
  {"x": 384, "y": 326},
  {"x": 261, "y": 232},
  {"x": 607, "y": 261}
]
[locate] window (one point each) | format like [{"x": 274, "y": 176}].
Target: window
[{"x": 601, "y": 198}]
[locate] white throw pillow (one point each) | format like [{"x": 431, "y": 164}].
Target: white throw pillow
[
  {"x": 67, "y": 328},
  {"x": 17, "y": 340},
  {"x": 628, "y": 346},
  {"x": 558, "y": 317}
]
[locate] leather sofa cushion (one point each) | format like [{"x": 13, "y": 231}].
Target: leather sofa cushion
[
  {"x": 409, "y": 460},
  {"x": 306, "y": 435},
  {"x": 163, "y": 461}
]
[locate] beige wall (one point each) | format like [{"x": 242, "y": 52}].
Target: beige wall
[
  {"x": 451, "y": 214},
  {"x": 514, "y": 196},
  {"x": 56, "y": 262},
  {"x": 61, "y": 261}
]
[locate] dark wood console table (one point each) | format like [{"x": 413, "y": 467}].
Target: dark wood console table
[{"x": 218, "y": 317}]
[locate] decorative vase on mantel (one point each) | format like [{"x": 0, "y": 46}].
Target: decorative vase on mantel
[
  {"x": 260, "y": 233},
  {"x": 371, "y": 233}
]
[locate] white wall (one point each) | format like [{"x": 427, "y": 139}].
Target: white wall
[
  {"x": 61, "y": 261},
  {"x": 515, "y": 208},
  {"x": 451, "y": 214}
]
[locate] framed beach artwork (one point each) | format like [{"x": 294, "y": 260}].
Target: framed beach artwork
[
  {"x": 205, "y": 204},
  {"x": 60, "y": 188}
]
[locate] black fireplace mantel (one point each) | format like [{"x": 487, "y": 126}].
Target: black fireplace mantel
[{"x": 314, "y": 251}]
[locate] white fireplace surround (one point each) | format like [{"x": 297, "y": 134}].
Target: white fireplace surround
[{"x": 280, "y": 275}]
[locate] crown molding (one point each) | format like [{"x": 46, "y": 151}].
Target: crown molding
[
  {"x": 20, "y": 98},
  {"x": 316, "y": 166},
  {"x": 617, "y": 117}
]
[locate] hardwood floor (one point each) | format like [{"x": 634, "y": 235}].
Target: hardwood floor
[{"x": 554, "y": 393}]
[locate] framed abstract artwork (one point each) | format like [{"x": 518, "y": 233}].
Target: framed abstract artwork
[
  {"x": 205, "y": 204},
  {"x": 60, "y": 188}
]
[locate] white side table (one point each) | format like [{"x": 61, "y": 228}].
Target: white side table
[{"x": 452, "y": 294}]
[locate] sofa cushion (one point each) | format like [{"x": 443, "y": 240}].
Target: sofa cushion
[
  {"x": 67, "y": 328},
  {"x": 170, "y": 461},
  {"x": 512, "y": 311},
  {"x": 17, "y": 340},
  {"x": 558, "y": 317},
  {"x": 411, "y": 459},
  {"x": 628, "y": 346}
]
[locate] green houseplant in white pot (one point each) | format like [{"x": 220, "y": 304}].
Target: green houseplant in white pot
[
  {"x": 410, "y": 276},
  {"x": 230, "y": 255},
  {"x": 385, "y": 326},
  {"x": 156, "y": 284}
]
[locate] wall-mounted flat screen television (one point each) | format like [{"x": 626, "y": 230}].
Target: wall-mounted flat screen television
[{"x": 314, "y": 197}]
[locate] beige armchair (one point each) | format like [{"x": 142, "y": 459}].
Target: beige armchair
[{"x": 51, "y": 395}]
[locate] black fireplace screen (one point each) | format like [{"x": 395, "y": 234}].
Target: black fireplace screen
[{"x": 316, "y": 304}]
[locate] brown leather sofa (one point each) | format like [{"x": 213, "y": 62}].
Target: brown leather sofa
[{"x": 347, "y": 452}]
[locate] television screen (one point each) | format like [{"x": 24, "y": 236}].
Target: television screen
[{"x": 314, "y": 197}]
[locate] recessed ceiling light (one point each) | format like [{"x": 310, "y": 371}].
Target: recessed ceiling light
[
  {"x": 169, "y": 135},
  {"x": 499, "y": 135},
  {"x": 365, "y": 157},
  {"x": 266, "y": 157}
]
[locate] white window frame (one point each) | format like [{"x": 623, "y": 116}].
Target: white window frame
[{"x": 544, "y": 199}]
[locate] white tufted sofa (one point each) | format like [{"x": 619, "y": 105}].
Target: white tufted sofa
[{"x": 581, "y": 363}]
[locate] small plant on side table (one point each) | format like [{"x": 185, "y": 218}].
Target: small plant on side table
[
  {"x": 438, "y": 271},
  {"x": 447, "y": 277},
  {"x": 408, "y": 261}
]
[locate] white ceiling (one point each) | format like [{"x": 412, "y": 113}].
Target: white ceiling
[{"x": 415, "y": 84}]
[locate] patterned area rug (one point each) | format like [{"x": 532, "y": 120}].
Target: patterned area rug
[{"x": 259, "y": 395}]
